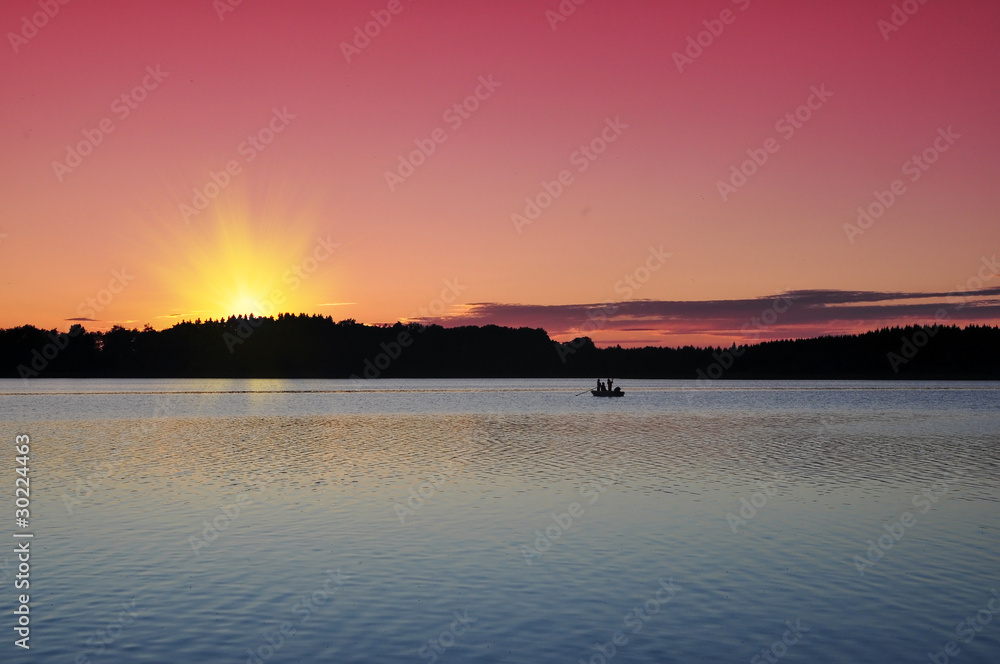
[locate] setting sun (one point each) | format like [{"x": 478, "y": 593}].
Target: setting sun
[
  {"x": 244, "y": 259},
  {"x": 248, "y": 304}
]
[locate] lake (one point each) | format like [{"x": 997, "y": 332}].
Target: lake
[{"x": 505, "y": 521}]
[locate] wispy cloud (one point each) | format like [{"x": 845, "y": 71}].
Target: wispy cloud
[{"x": 185, "y": 315}]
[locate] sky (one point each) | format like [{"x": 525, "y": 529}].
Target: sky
[{"x": 640, "y": 172}]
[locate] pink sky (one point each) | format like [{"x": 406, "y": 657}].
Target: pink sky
[{"x": 107, "y": 240}]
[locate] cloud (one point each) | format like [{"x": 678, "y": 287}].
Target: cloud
[
  {"x": 190, "y": 314},
  {"x": 789, "y": 314},
  {"x": 87, "y": 320}
]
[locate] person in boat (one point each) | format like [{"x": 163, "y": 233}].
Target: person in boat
[
  {"x": 610, "y": 383},
  {"x": 600, "y": 386}
]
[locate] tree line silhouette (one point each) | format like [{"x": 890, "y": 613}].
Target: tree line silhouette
[{"x": 313, "y": 346}]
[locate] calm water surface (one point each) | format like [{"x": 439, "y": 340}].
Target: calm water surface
[{"x": 505, "y": 521}]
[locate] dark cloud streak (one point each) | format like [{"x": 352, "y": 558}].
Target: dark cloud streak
[{"x": 809, "y": 309}]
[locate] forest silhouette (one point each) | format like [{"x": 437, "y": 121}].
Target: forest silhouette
[{"x": 313, "y": 346}]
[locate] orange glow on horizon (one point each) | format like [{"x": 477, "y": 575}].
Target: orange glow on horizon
[{"x": 238, "y": 259}]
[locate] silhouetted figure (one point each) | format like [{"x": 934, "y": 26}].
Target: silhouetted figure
[
  {"x": 598, "y": 384},
  {"x": 610, "y": 382},
  {"x": 600, "y": 387}
]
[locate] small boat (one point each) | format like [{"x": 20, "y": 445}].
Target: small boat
[{"x": 617, "y": 392}]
